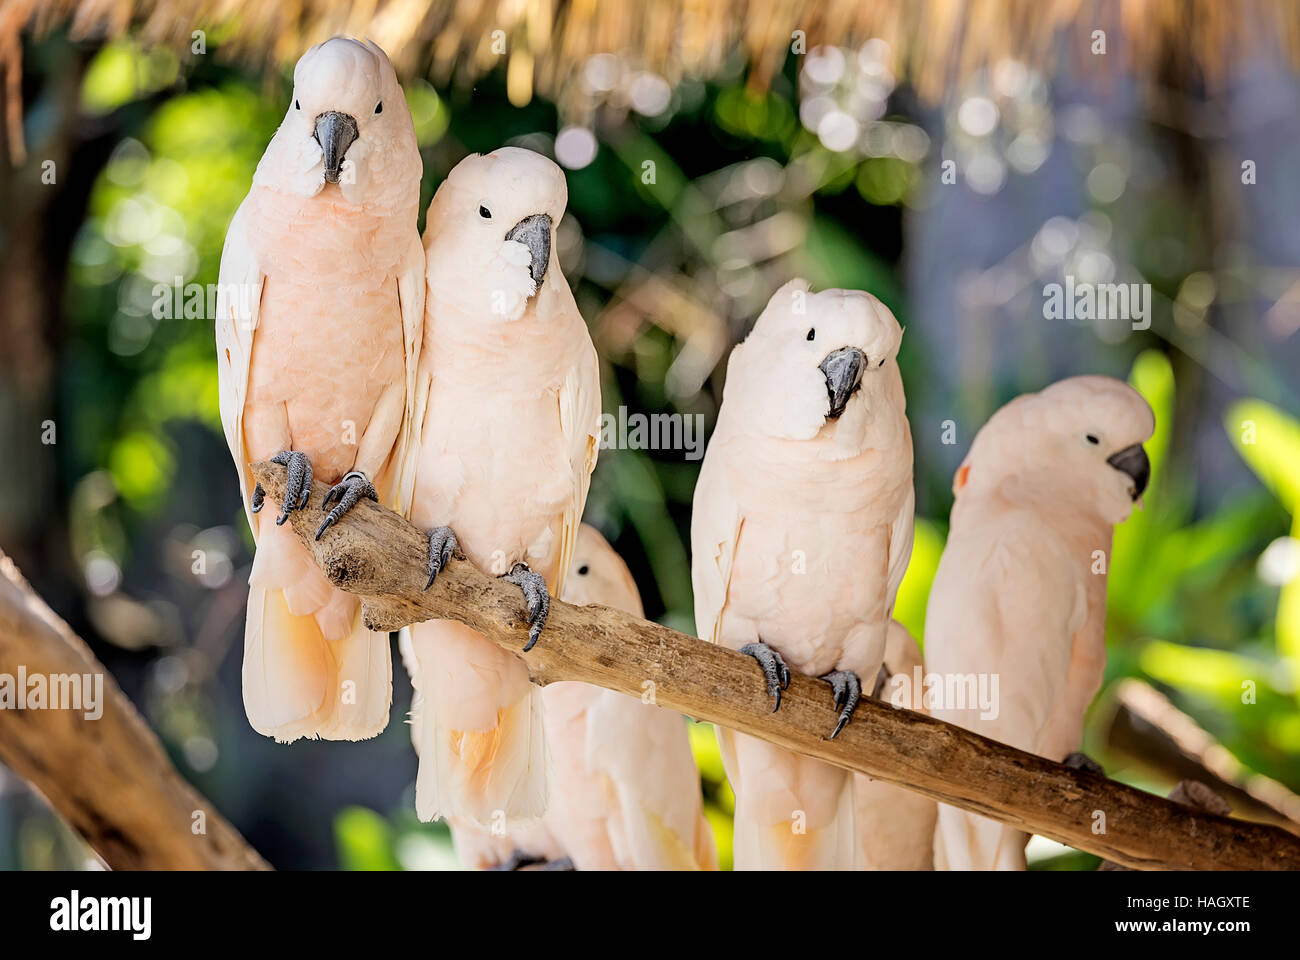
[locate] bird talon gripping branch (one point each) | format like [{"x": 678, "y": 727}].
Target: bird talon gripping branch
[
  {"x": 297, "y": 486},
  {"x": 349, "y": 491},
  {"x": 775, "y": 671},
  {"x": 846, "y": 691},
  {"x": 443, "y": 545},
  {"x": 535, "y": 595}
]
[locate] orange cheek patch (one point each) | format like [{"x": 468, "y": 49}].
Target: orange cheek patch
[{"x": 959, "y": 480}]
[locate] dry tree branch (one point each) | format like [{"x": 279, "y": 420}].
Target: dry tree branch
[
  {"x": 377, "y": 555},
  {"x": 108, "y": 777}
]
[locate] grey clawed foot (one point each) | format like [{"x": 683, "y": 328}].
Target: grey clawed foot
[
  {"x": 297, "y": 486},
  {"x": 539, "y": 602},
  {"x": 349, "y": 491},
  {"x": 1081, "y": 761},
  {"x": 564, "y": 863},
  {"x": 846, "y": 691},
  {"x": 775, "y": 671},
  {"x": 443, "y": 545}
]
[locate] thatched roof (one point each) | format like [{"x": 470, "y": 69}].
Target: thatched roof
[
  {"x": 931, "y": 40},
  {"x": 546, "y": 43}
]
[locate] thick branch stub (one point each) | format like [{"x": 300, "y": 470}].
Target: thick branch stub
[
  {"x": 107, "y": 776},
  {"x": 385, "y": 559}
]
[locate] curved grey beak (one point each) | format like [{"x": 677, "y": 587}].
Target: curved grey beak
[
  {"x": 843, "y": 369},
  {"x": 335, "y": 133},
  {"x": 534, "y": 233},
  {"x": 1133, "y": 461}
]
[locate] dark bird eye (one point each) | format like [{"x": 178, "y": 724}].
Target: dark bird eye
[
  {"x": 882, "y": 361},
  {"x": 582, "y": 570},
  {"x": 812, "y": 333},
  {"x": 297, "y": 105},
  {"x": 1091, "y": 439},
  {"x": 379, "y": 107},
  {"x": 484, "y": 212}
]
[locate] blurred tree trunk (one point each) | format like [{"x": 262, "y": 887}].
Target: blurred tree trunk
[
  {"x": 37, "y": 224},
  {"x": 42, "y": 206}
]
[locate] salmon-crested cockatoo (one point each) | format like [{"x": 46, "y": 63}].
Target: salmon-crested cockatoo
[
  {"x": 625, "y": 790},
  {"x": 894, "y": 826},
  {"x": 320, "y": 312},
  {"x": 801, "y": 531},
  {"x": 1020, "y": 592},
  {"x": 504, "y": 439}
]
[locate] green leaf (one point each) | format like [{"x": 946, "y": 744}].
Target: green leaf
[
  {"x": 1135, "y": 583},
  {"x": 364, "y": 840},
  {"x": 1269, "y": 441},
  {"x": 914, "y": 591},
  {"x": 1218, "y": 674}
]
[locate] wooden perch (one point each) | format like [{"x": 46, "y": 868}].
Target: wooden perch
[
  {"x": 108, "y": 777},
  {"x": 1147, "y": 729},
  {"x": 377, "y": 555}
]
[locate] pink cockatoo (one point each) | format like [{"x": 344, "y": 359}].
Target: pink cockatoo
[
  {"x": 626, "y": 791},
  {"x": 1020, "y": 592},
  {"x": 320, "y": 313},
  {"x": 801, "y": 531},
  {"x": 503, "y": 442},
  {"x": 894, "y": 826}
]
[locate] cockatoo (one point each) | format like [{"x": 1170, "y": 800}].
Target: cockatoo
[
  {"x": 504, "y": 439},
  {"x": 320, "y": 313},
  {"x": 626, "y": 793},
  {"x": 895, "y": 827},
  {"x": 801, "y": 531},
  {"x": 1020, "y": 592}
]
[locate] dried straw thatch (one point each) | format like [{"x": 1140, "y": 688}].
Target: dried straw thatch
[{"x": 543, "y": 43}]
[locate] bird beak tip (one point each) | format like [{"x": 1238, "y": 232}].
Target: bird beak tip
[{"x": 534, "y": 232}]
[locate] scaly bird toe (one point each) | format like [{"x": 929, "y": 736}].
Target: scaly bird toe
[
  {"x": 297, "y": 485},
  {"x": 774, "y": 670},
  {"x": 539, "y": 602},
  {"x": 846, "y": 691},
  {"x": 349, "y": 491},
  {"x": 443, "y": 545}
]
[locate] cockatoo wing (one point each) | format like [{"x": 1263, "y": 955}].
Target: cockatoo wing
[
  {"x": 239, "y": 300},
  {"x": 579, "y": 400},
  {"x": 411, "y": 289},
  {"x": 1008, "y": 605},
  {"x": 716, "y": 522},
  {"x": 900, "y": 547}
]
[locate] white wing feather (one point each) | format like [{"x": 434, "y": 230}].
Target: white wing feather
[
  {"x": 716, "y": 522},
  {"x": 239, "y": 301},
  {"x": 580, "y": 423}
]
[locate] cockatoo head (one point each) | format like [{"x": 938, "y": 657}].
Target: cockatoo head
[
  {"x": 822, "y": 364},
  {"x": 493, "y": 219},
  {"x": 347, "y": 124},
  {"x": 599, "y": 575},
  {"x": 1077, "y": 444}
]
